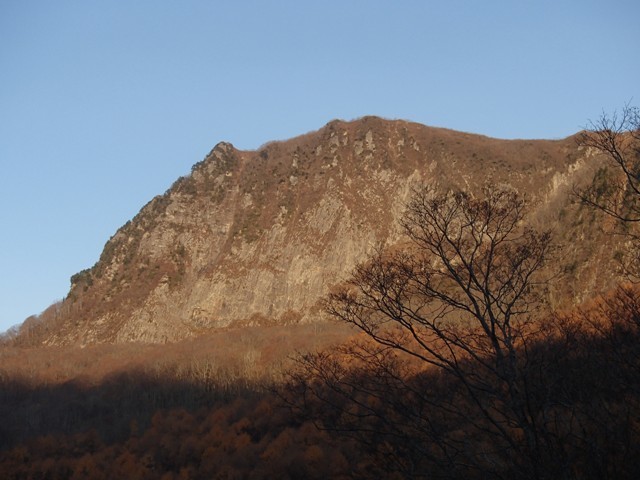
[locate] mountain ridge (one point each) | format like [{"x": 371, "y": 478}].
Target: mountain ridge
[{"x": 258, "y": 237}]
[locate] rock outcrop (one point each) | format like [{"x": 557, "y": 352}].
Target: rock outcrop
[{"x": 258, "y": 237}]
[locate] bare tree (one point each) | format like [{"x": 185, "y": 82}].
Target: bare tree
[
  {"x": 615, "y": 189},
  {"x": 617, "y": 136},
  {"x": 456, "y": 301},
  {"x": 467, "y": 280}
]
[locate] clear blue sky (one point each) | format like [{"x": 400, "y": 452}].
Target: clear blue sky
[{"x": 103, "y": 104}]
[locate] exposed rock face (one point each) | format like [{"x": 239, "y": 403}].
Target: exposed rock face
[{"x": 260, "y": 236}]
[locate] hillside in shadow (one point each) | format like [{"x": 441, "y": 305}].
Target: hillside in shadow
[{"x": 368, "y": 415}]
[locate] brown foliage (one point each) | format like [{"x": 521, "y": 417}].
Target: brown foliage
[
  {"x": 220, "y": 442},
  {"x": 579, "y": 372},
  {"x": 193, "y": 409},
  {"x": 382, "y": 414}
]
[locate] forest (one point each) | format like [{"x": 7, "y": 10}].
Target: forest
[{"x": 350, "y": 411}]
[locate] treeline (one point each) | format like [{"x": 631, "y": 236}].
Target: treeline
[
  {"x": 65, "y": 390},
  {"x": 351, "y": 411},
  {"x": 68, "y": 411},
  {"x": 30, "y": 410},
  {"x": 133, "y": 428},
  {"x": 579, "y": 379},
  {"x": 198, "y": 418},
  {"x": 248, "y": 437}
]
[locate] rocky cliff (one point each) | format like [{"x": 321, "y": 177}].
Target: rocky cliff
[{"x": 258, "y": 237}]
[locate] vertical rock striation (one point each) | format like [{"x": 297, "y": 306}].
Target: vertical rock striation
[{"x": 258, "y": 237}]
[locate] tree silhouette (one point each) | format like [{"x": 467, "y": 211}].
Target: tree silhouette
[{"x": 453, "y": 306}]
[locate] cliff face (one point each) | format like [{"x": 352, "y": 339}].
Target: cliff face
[{"x": 259, "y": 237}]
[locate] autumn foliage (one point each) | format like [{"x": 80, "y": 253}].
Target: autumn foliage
[
  {"x": 579, "y": 377},
  {"x": 379, "y": 415}
]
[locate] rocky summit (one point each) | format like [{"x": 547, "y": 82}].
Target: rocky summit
[{"x": 259, "y": 237}]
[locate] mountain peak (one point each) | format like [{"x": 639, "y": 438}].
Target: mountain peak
[{"x": 259, "y": 237}]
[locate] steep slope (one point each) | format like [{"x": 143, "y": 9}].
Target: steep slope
[{"x": 258, "y": 237}]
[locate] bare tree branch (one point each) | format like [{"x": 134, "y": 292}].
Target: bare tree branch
[{"x": 615, "y": 189}]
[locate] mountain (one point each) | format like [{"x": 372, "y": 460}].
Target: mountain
[{"x": 259, "y": 237}]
